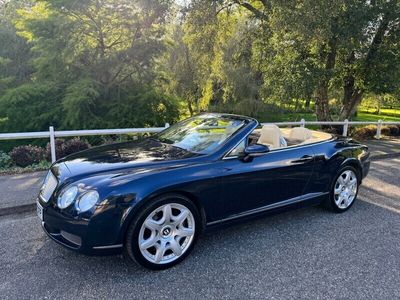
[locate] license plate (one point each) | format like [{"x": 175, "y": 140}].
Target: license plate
[{"x": 39, "y": 211}]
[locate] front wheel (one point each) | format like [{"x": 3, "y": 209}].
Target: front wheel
[
  {"x": 164, "y": 233},
  {"x": 344, "y": 190}
]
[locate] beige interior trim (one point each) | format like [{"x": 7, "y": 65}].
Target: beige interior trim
[{"x": 316, "y": 136}]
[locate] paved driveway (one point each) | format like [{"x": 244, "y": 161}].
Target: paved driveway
[
  {"x": 19, "y": 190},
  {"x": 308, "y": 253}
]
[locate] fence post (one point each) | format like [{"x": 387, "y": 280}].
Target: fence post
[
  {"x": 303, "y": 122},
  {"x": 52, "y": 144},
  {"x": 345, "y": 127},
  {"x": 378, "y": 130},
  {"x": 166, "y": 125}
]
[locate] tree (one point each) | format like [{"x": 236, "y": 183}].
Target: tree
[
  {"x": 98, "y": 56},
  {"x": 374, "y": 66},
  {"x": 352, "y": 42},
  {"x": 14, "y": 51}
]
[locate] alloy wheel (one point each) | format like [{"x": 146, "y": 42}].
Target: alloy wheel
[
  {"x": 166, "y": 233},
  {"x": 345, "y": 189}
]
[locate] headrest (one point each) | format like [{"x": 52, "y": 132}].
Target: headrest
[
  {"x": 300, "y": 133},
  {"x": 270, "y": 135}
]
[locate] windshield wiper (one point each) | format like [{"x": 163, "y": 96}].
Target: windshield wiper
[
  {"x": 162, "y": 140},
  {"x": 169, "y": 142}
]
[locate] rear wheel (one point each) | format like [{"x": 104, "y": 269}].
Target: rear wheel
[
  {"x": 164, "y": 233},
  {"x": 344, "y": 190}
]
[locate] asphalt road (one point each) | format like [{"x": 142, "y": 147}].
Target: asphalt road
[{"x": 308, "y": 253}]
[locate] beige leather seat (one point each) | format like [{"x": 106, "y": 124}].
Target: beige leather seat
[
  {"x": 271, "y": 136},
  {"x": 300, "y": 134}
]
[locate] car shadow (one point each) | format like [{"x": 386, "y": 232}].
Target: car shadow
[{"x": 240, "y": 243}]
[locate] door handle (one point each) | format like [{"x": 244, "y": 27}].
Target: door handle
[{"x": 304, "y": 158}]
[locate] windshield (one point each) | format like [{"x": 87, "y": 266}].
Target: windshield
[{"x": 201, "y": 134}]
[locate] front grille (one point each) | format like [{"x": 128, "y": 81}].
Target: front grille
[{"x": 49, "y": 186}]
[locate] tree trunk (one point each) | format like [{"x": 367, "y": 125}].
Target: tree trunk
[
  {"x": 321, "y": 95},
  {"x": 352, "y": 96},
  {"x": 190, "y": 108},
  {"x": 307, "y": 104},
  {"x": 351, "y": 102},
  {"x": 322, "y": 103}
]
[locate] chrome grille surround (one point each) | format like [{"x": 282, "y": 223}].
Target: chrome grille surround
[{"x": 48, "y": 187}]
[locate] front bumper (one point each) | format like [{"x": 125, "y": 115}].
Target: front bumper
[
  {"x": 365, "y": 169},
  {"x": 88, "y": 236},
  {"x": 365, "y": 164}
]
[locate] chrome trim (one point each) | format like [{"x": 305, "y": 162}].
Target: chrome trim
[
  {"x": 283, "y": 149},
  {"x": 41, "y": 198},
  {"x": 225, "y": 157},
  {"x": 270, "y": 207},
  {"x": 48, "y": 187},
  {"x": 108, "y": 247}
]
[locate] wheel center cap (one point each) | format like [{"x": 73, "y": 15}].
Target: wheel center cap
[{"x": 166, "y": 231}]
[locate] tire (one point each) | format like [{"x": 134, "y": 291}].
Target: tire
[
  {"x": 156, "y": 241},
  {"x": 343, "y": 194}
]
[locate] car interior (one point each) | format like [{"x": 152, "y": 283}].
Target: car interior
[{"x": 275, "y": 137}]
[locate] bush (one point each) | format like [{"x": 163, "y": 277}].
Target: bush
[
  {"x": 366, "y": 132},
  {"x": 24, "y": 156},
  {"x": 369, "y": 131},
  {"x": 333, "y": 129},
  {"x": 75, "y": 145},
  {"x": 59, "y": 149},
  {"x": 5, "y": 160},
  {"x": 64, "y": 148},
  {"x": 394, "y": 129},
  {"x": 385, "y": 130}
]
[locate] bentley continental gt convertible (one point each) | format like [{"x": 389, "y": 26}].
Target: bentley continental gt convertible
[{"x": 153, "y": 197}]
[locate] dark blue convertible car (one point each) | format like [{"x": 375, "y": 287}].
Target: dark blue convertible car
[{"x": 153, "y": 197}]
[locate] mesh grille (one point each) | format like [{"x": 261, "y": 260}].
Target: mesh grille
[{"x": 50, "y": 184}]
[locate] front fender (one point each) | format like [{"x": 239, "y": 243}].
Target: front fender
[{"x": 200, "y": 183}]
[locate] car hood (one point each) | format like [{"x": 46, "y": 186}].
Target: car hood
[{"x": 122, "y": 157}]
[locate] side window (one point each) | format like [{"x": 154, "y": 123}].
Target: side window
[{"x": 239, "y": 149}]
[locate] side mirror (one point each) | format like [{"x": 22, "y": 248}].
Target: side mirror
[{"x": 253, "y": 151}]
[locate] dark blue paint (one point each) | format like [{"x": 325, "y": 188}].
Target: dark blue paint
[{"x": 128, "y": 175}]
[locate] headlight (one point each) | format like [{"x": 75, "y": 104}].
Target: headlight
[
  {"x": 87, "y": 201},
  {"x": 67, "y": 197}
]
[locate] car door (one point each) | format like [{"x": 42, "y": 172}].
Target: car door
[{"x": 278, "y": 175}]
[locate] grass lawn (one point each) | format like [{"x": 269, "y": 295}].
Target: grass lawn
[
  {"x": 365, "y": 116},
  {"x": 391, "y": 112},
  {"x": 288, "y": 117},
  {"x": 296, "y": 117}
]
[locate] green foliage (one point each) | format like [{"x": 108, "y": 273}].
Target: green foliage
[
  {"x": 41, "y": 166},
  {"x": 93, "y": 65},
  {"x": 107, "y": 63},
  {"x": 30, "y": 107},
  {"x": 5, "y": 160},
  {"x": 14, "y": 50}
]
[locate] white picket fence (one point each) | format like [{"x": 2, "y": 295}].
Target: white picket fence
[{"x": 53, "y": 134}]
